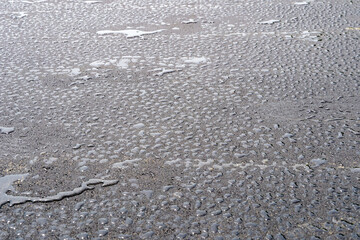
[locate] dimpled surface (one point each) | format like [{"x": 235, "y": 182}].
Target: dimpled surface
[{"x": 187, "y": 119}]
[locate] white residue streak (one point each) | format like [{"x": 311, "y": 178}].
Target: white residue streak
[
  {"x": 92, "y": 2},
  {"x": 75, "y": 72},
  {"x": 98, "y": 63},
  {"x": 301, "y": 3},
  {"x": 36, "y": 1},
  {"x": 309, "y": 36},
  {"x": 189, "y": 21},
  {"x": 272, "y": 21},
  {"x": 7, "y": 181},
  {"x": 131, "y": 33},
  {"x": 126, "y": 60},
  {"x": 164, "y": 71}
]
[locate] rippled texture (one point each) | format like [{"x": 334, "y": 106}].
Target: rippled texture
[{"x": 179, "y": 119}]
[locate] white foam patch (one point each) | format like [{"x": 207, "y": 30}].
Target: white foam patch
[
  {"x": 20, "y": 14},
  {"x": 36, "y": 1},
  {"x": 123, "y": 63},
  {"x": 6, "y": 185},
  {"x": 75, "y": 72},
  {"x": 126, "y": 60},
  {"x": 194, "y": 60},
  {"x": 7, "y": 181},
  {"x": 6, "y": 130},
  {"x": 130, "y": 33}
]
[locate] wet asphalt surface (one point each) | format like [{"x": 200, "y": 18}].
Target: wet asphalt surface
[{"x": 179, "y": 119}]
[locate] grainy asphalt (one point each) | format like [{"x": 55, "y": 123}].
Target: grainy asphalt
[{"x": 219, "y": 119}]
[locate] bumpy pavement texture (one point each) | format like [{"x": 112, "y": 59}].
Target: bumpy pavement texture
[{"x": 219, "y": 119}]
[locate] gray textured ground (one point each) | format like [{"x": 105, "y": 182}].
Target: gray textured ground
[{"x": 129, "y": 119}]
